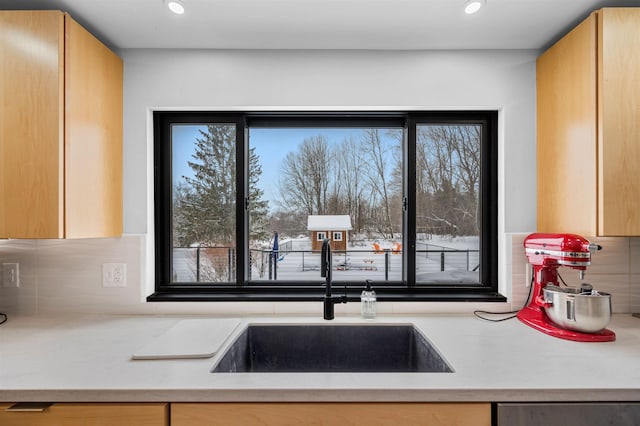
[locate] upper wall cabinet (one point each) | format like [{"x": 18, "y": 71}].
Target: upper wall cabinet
[
  {"x": 60, "y": 129},
  {"x": 588, "y": 111}
]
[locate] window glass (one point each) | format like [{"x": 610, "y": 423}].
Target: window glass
[
  {"x": 203, "y": 202},
  {"x": 448, "y": 211},
  {"x": 340, "y": 179}
]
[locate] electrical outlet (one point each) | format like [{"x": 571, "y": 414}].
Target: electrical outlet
[
  {"x": 11, "y": 275},
  {"x": 114, "y": 275}
]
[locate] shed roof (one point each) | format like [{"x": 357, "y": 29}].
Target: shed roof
[{"x": 329, "y": 222}]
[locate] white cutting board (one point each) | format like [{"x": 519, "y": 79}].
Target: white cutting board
[{"x": 189, "y": 338}]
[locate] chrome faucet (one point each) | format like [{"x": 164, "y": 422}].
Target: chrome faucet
[{"x": 325, "y": 271}]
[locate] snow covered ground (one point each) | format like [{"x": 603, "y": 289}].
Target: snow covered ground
[{"x": 437, "y": 261}]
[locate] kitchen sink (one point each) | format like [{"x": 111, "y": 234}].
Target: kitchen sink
[{"x": 331, "y": 348}]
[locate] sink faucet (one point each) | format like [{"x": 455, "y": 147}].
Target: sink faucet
[{"x": 325, "y": 271}]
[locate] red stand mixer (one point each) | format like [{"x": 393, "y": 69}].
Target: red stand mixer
[{"x": 546, "y": 253}]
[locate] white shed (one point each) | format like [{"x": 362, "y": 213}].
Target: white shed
[{"x": 334, "y": 227}]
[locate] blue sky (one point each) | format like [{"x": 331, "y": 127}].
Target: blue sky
[{"x": 273, "y": 145}]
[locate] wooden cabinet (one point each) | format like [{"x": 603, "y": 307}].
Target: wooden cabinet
[
  {"x": 60, "y": 129},
  {"x": 325, "y": 413},
  {"x": 588, "y": 112},
  {"x": 88, "y": 414}
]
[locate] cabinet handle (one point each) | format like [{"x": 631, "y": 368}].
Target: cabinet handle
[{"x": 29, "y": 406}]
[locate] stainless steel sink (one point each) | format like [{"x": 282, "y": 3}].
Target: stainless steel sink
[{"x": 331, "y": 348}]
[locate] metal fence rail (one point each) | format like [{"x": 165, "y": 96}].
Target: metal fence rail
[{"x": 217, "y": 264}]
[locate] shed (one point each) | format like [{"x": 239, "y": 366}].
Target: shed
[{"x": 334, "y": 227}]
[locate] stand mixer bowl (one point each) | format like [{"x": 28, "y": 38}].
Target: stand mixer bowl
[{"x": 572, "y": 309}]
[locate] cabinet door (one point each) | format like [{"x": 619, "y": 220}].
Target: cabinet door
[
  {"x": 98, "y": 414},
  {"x": 566, "y": 138},
  {"x": 353, "y": 414},
  {"x": 60, "y": 129},
  {"x": 93, "y": 136},
  {"x": 619, "y": 121},
  {"x": 31, "y": 124}
]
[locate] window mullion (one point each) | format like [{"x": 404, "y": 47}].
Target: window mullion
[
  {"x": 409, "y": 189},
  {"x": 242, "y": 202}
]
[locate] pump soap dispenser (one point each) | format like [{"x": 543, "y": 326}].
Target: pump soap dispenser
[{"x": 368, "y": 302}]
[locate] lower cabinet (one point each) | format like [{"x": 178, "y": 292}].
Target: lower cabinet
[
  {"x": 330, "y": 413},
  {"x": 84, "y": 414},
  {"x": 319, "y": 413}
]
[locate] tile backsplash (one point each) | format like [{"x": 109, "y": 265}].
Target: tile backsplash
[
  {"x": 58, "y": 276},
  {"x": 66, "y": 275}
]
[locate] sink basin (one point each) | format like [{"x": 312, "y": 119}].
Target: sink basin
[{"x": 331, "y": 348}]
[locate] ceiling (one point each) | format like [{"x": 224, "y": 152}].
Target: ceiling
[{"x": 326, "y": 24}]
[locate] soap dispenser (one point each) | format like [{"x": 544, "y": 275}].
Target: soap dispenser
[{"x": 368, "y": 302}]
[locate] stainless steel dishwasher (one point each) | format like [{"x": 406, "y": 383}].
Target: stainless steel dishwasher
[{"x": 568, "y": 414}]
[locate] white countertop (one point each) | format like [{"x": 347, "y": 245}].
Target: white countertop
[{"x": 89, "y": 358}]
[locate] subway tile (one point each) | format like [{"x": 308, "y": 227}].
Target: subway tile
[
  {"x": 634, "y": 255},
  {"x": 613, "y": 258},
  {"x": 618, "y": 287},
  {"x": 634, "y": 293}
]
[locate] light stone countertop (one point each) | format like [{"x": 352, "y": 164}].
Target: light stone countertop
[{"x": 88, "y": 358}]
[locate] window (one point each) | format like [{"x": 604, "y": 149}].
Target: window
[{"x": 244, "y": 200}]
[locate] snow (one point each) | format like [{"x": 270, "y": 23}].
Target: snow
[
  {"x": 296, "y": 262},
  {"x": 329, "y": 222}
]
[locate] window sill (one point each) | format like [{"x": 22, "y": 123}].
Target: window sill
[{"x": 316, "y": 295}]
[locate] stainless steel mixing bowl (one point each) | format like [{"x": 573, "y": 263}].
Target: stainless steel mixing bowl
[{"x": 573, "y": 310}]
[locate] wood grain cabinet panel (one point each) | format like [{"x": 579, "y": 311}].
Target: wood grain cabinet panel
[
  {"x": 89, "y": 414},
  {"x": 588, "y": 122},
  {"x": 60, "y": 129},
  {"x": 325, "y": 413}
]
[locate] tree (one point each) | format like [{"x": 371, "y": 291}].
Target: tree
[
  {"x": 353, "y": 177},
  {"x": 350, "y": 186},
  {"x": 205, "y": 203},
  {"x": 258, "y": 207},
  {"x": 377, "y": 155},
  {"x": 447, "y": 178},
  {"x": 305, "y": 176},
  {"x": 208, "y": 207}
]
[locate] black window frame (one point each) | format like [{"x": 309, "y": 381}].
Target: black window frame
[{"x": 406, "y": 289}]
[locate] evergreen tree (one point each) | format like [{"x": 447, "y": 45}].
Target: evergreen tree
[
  {"x": 258, "y": 207},
  {"x": 205, "y": 205}
]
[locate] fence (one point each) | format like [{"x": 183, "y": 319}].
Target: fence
[
  {"x": 450, "y": 258},
  {"x": 204, "y": 264},
  {"x": 217, "y": 264}
]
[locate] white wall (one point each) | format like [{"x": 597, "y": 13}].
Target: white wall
[{"x": 203, "y": 79}]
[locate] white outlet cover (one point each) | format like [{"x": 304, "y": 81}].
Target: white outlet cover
[
  {"x": 11, "y": 275},
  {"x": 114, "y": 275}
]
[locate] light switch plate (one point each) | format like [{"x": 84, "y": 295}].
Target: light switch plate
[
  {"x": 11, "y": 275},
  {"x": 114, "y": 275}
]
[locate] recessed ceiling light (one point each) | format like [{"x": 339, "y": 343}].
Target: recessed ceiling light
[
  {"x": 176, "y": 6},
  {"x": 472, "y": 6}
]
